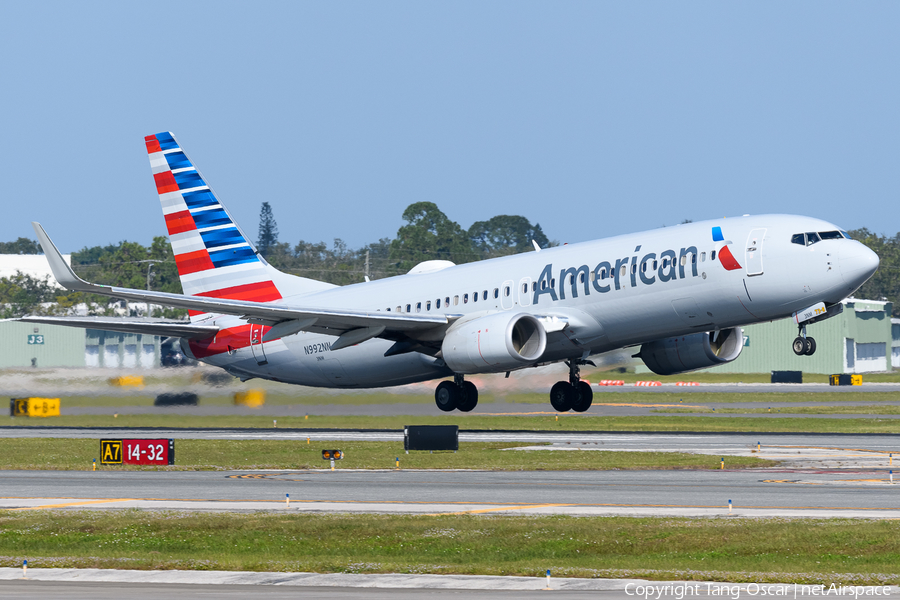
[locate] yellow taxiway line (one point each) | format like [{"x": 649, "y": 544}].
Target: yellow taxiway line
[{"x": 67, "y": 504}]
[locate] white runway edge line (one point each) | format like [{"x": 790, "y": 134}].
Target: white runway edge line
[
  {"x": 397, "y": 581},
  {"x": 461, "y": 582}
]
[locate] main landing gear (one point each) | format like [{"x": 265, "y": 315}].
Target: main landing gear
[
  {"x": 456, "y": 394},
  {"x": 573, "y": 394},
  {"x": 803, "y": 345}
]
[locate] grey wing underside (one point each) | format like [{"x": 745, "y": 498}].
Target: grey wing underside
[{"x": 160, "y": 327}]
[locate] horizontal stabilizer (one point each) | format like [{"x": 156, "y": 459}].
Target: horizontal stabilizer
[{"x": 161, "y": 328}]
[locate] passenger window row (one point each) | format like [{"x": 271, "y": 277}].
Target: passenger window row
[
  {"x": 446, "y": 301},
  {"x": 604, "y": 274}
]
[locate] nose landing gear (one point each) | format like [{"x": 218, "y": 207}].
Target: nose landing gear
[
  {"x": 574, "y": 394},
  {"x": 803, "y": 345},
  {"x": 456, "y": 394}
]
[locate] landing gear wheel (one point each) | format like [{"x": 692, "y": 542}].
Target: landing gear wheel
[
  {"x": 468, "y": 398},
  {"x": 562, "y": 396},
  {"x": 584, "y": 395},
  {"x": 800, "y": 346},
  {"x": 446, "y": 396},
  {"x": 811, "y": 349}
]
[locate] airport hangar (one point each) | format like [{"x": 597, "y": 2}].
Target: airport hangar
[{"x": 49, "y": 346}]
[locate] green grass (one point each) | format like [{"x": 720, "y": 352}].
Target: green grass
[
  {"x": 190, "y": 455},
  {"x": 565, "y": 422},
  {"x": 800, "y": 410},
  {"x": 762, "y": 550}
]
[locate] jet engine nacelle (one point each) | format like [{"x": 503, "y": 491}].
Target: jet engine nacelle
[
  {"x": 695, "y": 351},
  {"x": 494, "y": 343}
]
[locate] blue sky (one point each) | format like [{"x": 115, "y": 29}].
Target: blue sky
[{"x": 591, "y": 118}]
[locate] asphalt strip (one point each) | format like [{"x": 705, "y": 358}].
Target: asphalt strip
[{"x": 347, "y": 580}]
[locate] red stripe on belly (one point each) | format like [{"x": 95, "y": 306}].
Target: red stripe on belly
[{"x": 232, "y": 338}]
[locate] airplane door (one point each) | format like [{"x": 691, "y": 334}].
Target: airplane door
[
  {"x": 690, "y": 313},
  {"x": 333, "y": 371},
  {"x": 506, "y": 294},
  {"x": 256, "y": 345},
  {"x": 525, "y": 291},
  {"x": 753, "y": 254}
]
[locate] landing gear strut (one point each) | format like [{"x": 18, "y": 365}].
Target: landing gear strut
[
  {"x": 573, "y": 394},
  {"x": 456, "y": 394},
  {"x": 803, "y": 345}
]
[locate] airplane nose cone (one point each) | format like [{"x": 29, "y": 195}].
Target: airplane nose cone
[{"x": 858, "y": 263}]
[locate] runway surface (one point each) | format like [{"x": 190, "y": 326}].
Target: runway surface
[
  {"x": 770, "y": 492},
  {"x": 701, "y": 442},
  {"x": 141, "y": 585},
  {"x": 623, "y": 408},
  {"x": 608, "y": 401}
]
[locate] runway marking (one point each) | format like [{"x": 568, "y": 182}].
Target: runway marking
[
  {"x": 495, "y": 506},
  {"x": 626, "y": 404},
  {"x": 789, "y": 481},
  {"x": 502, "y": 508},
  {"x": 824, "y": 482},
  {"x": 64, "y": 505},
  {"x": 832, "y": 448}
]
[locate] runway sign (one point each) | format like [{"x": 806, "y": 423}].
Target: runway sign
[
  {"x": 845, "y": 379},
  {"x": 110, "y": 452},
  {"x": 34, "y": 407},
  {"x": 137, "y": 452}
]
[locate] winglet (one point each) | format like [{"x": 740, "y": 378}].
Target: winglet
[{"x": 61, "y": 271}]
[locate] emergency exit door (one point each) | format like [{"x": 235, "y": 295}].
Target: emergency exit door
[
  {"x": 753, "y": 254},
  {"x": 256, "y": 344}
]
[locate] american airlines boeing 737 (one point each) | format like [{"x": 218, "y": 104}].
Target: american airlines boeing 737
[{"x": 678, "y": 295}]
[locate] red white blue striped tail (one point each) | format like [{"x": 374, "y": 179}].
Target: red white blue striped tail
[{"x": 213, "y": 255}]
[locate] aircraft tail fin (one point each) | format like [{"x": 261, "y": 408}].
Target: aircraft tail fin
[{"x": 213, "y": 255}]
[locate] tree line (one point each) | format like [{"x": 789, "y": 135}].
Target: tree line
[{"x": 427, "y": 235}]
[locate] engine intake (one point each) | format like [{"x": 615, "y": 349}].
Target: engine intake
[
  {"x": 695, "y": 351},
  {"x": 494, "y": 343}
]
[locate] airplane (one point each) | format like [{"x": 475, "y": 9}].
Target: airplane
[{"x": 681, "y": 294}]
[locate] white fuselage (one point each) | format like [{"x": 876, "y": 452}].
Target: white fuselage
[{"x": 610, "y": 293}]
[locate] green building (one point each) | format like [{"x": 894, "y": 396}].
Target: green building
[
  {"x": 862, "y": 339},
  {"x": 859, "y": 340},
  {"x": 48, "y": 346},
  {"x": 32, "y": 345}
]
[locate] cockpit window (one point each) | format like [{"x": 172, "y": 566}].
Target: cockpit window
[{"x": 810, "y": 238}]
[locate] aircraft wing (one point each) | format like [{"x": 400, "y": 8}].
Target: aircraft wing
[
  {"x": 126, "y": 325},
  {"x": 284, "y": 318}
]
